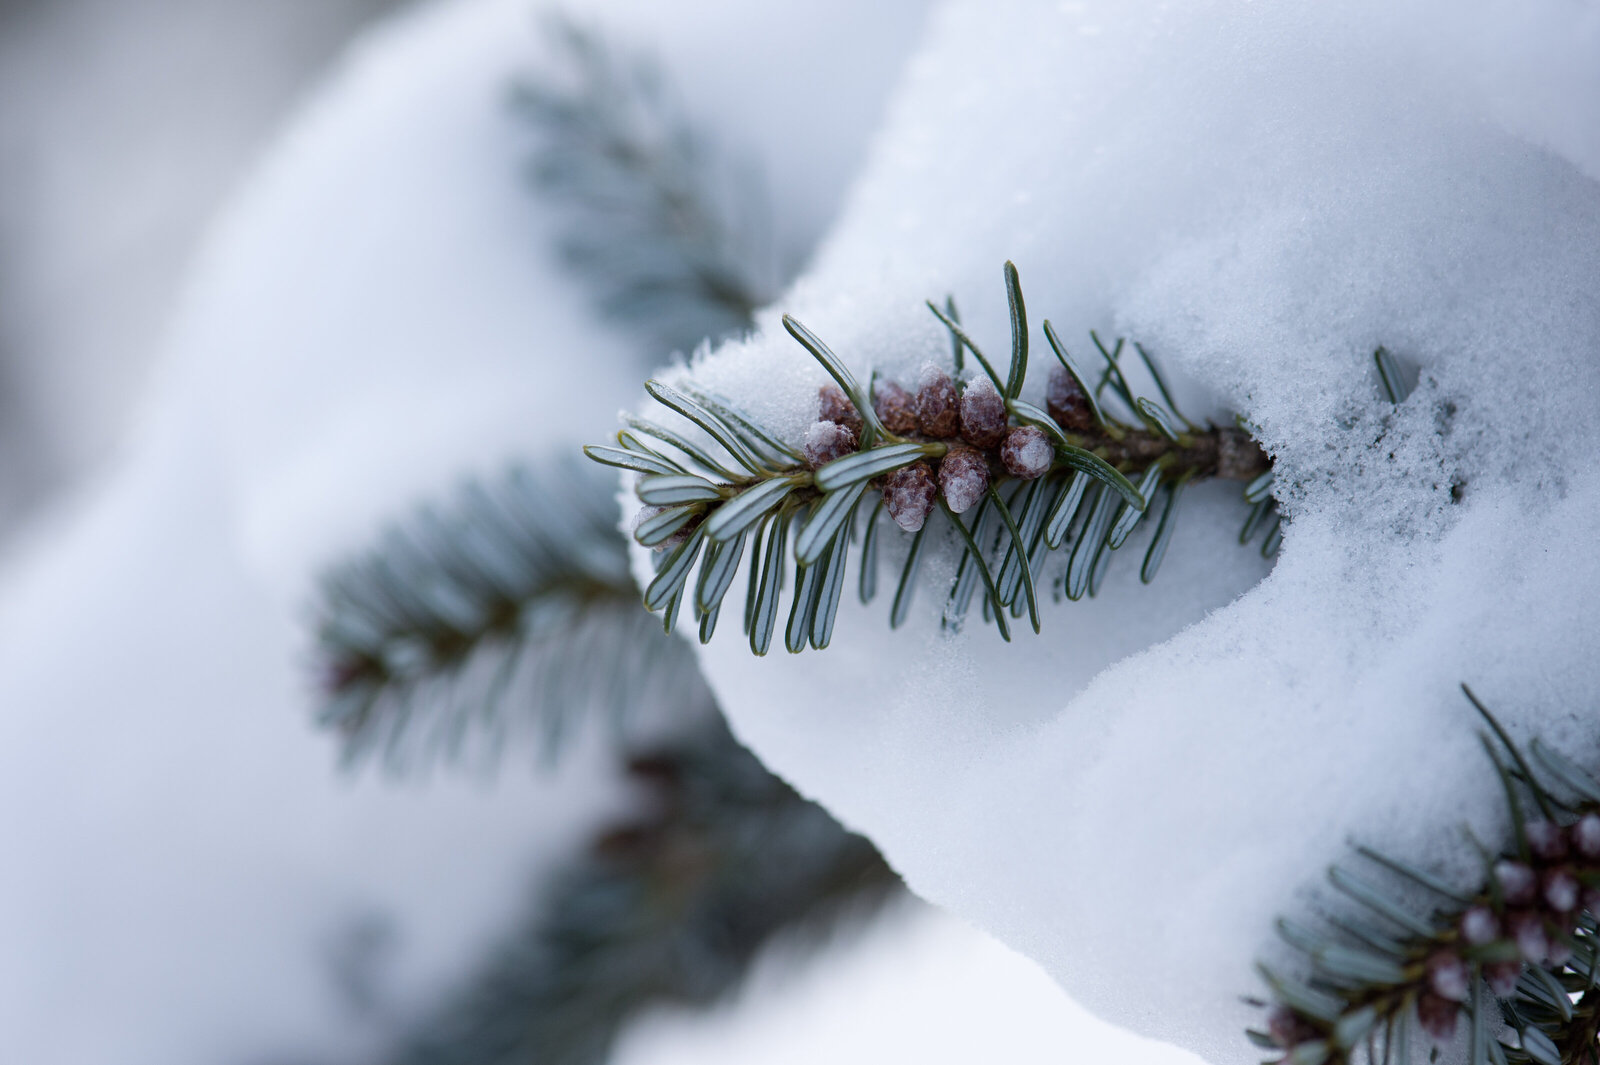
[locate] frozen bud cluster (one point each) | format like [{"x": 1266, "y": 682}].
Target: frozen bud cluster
[
  {"x": 908, "y": 495},
  {"x": 1586, "y": 836},
  {"x": 938, "y": 406},
  {"x": 826, "y": 441},
  {"x": 963, "y": 478},
  {"x": 983, "y": 415},
  {"x": 834, "y": 406},
  {"x": 1546, "y": 840},
  {"x": 1065, "y": 401},
  {"x": 1027, "y": 452},
  {"x": 1448, "y": 976},
  {"x": 896, "y": 408}
]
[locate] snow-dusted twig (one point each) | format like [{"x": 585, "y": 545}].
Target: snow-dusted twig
[{"x": 1079, "y": 476}]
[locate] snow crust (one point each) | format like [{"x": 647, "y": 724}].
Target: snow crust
[{"x": 1261, "y": 192}]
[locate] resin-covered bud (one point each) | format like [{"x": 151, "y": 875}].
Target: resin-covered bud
[
  {"x": 1518, "y": 883},
  {"x": 1560, "y": 890},
  {"x": 1586, "y": 836},
  {"x": 1479, "y": 925},
  {"x": 1448, "y": 976},
  {"x": 1287, "y": 1028},
  {"x": 897, "y": 408},
  {"x": 983, "y": 415},
  {"x": 1437, "y": 1016},
  {"x": 826, "y": 441},
  {"x": 938, "y": 405},
  {"x": 1027, "y": 452},
  {"x": 1066, "y": 402},
  {"x": 834, "y": 406},
  {"x": 1527, "y": 930},
  {"x": 1546, "y": 840},
  {"x": 963, "y": 478},
  {"x": 1501, "y": 976},
  {"x": 908, "y": 495}
]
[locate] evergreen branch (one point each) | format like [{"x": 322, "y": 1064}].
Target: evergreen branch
[
  {"x": 518, "y": 595},
  {"x": 1077, "y": 477},
  {"x": 1526, "y": 937},
  {"x": 673, "y": 242},
  {"x": 668, "y": 909}
]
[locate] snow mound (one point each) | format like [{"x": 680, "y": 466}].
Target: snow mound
[{"x": 1262, "y": 193}]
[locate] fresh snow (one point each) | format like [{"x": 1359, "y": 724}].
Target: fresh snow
[{"x": 1262, "y": 193}]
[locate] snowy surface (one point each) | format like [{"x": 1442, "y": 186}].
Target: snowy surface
[
  {"x": 915, "y": 985},
  {"x": 1262, "y": 193},
  {"x": 374, "y": 317}
]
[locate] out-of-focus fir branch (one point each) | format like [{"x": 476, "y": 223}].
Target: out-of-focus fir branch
[
  {"x": 669, "y": 908},
  {"x": 516, "y": 595},
  {"x": 675, "y": 242},
  {"x": 1385, "y": 975}
]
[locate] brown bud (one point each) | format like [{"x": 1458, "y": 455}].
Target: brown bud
[
  {"x": 908, "y": 495},
  {"x": 1287, "y": 1028},
  {"x": 834, "y": 406},
  {"x": 1526, "y": 929},
  {"x": 1437, "y": 1016},
  {"x": 1479, "y": 925},
  {"x": 826, "y": 441},
  {"x": 1448, "y": 976},
  {"x": 1546, "y": 840},
  {"x": 1501, "y": 976},
  {"x": 1518, "y": 883},
  {"x": 963, "y": 478},
  {"x": 1586, "y": 836},
  {"x": 896, "y": 408},
  {"x": 984, "y": 419},
  {"x": 1027, "y": 452},
  {"x": 1560, "y": 890},
  {"x": 938, "y": 406},
  {"x": 1064, "y": 399}
]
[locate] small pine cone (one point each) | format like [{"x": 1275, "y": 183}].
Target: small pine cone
[
  {"x": 1527, "y": 931},
  {"x": 1560, "y": 890},
  {"x": 834, "y": 406},
  {"x": 897, "y": 408},
  {"x": 963, "y": 477},
  {"x": 1546, "y": 840},
  {"x": 1448, "y": 976},
  {"x": 1501, "y": 976},
  {"x": 1586, "y": 836},
  {"x": 1479, "y": 925},
  {"x": 908, "y": 495},
  {"x": 826, "y": 441},
  {"x": 1064, "y": 399},
  {"x": 1437, "y": 1017},
  {"x": 1518, "y": 883},
  {"x": 938, "y": 406},
  {"x": 1239, "y": 458},
  {"x": 1027, "y": 452},
  {"x": 983, "y": 415}
]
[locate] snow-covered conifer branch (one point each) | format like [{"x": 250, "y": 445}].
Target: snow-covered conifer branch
[
  {"x": 1014, "y": 481},
  {"x": 669, "y": 908},
  {"x": 517, "y": 595},
  {"x": 1384, "y": 974},
  {"x": 675, "y": 241}
]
